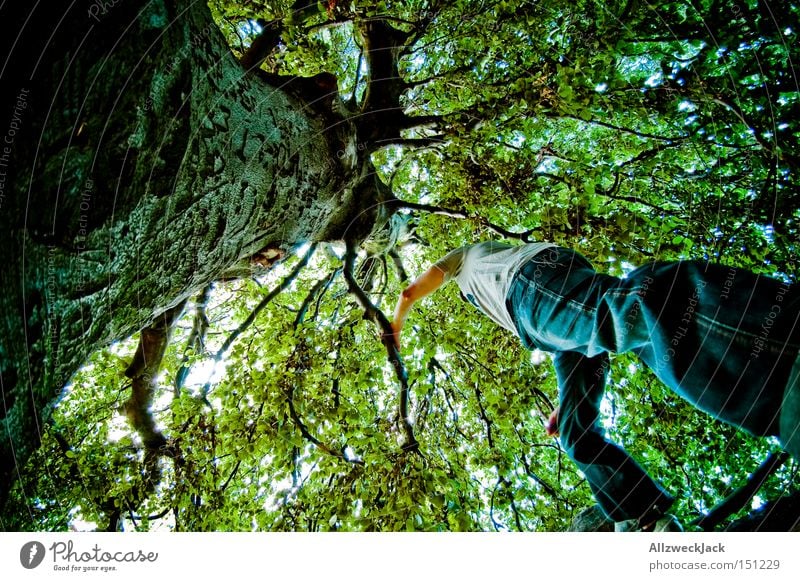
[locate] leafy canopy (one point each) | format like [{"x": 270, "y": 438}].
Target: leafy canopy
[{"x": 628, "y": 131}]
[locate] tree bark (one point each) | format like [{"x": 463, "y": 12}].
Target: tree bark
[{"x": 143, "y": 163}]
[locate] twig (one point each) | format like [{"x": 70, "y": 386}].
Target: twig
[
  {"x": 462, "y": 215},
  {"x": 285, "y": 283}
]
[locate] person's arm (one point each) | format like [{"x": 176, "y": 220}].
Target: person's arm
[{"x": 425, "y": 284}]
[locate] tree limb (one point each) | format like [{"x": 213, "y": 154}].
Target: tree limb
[
  {"x": 736, "y": 501},
  {"x": 263, "y": 45},
  {"x": 410, "y": 141},
  {"x": 143, "y": 371},
  {"x": 462, "y": 215},
  {"x": 374, "y": 314},
  {"x": 196, "y": 338},
  {"x": 298, "y": 422},
  {"x": 484, "y": 417},
  {"x": 381, "y": 108},
  {"x": 641, "y": 134},
  {"x": 319, "y": 289},
  {"x": 285, "y": 283}
]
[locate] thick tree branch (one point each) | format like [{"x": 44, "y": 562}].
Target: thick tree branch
[
  {"x": 374, "y": 314},
  {"x": 263, "y": 45},
  {"x": 381, "y": 45},
  {"x": 381, "y": 109},
  {"x": 739, "y": 499},
  {"x": 143, "y": 371}
]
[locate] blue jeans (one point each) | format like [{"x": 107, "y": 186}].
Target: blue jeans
[{"x": 722, "y": 338}]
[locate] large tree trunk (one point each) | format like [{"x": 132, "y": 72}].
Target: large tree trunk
[{"x": 143, "y": 163}]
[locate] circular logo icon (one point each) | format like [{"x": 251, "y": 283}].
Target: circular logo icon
[{"x": 31, "y": 554}]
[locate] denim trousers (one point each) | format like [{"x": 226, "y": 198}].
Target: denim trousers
[{"x": 722, "y": 338}]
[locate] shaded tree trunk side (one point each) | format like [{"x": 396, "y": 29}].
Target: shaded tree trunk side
[{"x": 146, "y": 164}]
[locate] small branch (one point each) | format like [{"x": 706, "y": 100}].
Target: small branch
[
  {"x": 443, "y": 75},
  {"x": 648, "y": 153},
  {"x": 611, "y": 194},
  {"x": 497, "y": 526},
  {"x": 411, "y": 121},
  {"x": 484, "y": 417},
  {"x": 624, "y": 129},
  {"x": 196, "y": 338},
  {"x": 372, "y": 313},
  {"x": 398, "y": 265},
  {"x": 285, "y": 283},
  {"x": 462, "y": 215},
  {"x": 162, "y": 514},
  {"x": 410, "y": 141},
  {"x": 739, "y": 114},
  {"x": 320, "y": 288},
  {"x": 298, "y": 422},
  {"x": 513, "y": 506},
  {"x": 548, "y": 488}
]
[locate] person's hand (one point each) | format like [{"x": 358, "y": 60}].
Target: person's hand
[{"x": 551, "y": 426}]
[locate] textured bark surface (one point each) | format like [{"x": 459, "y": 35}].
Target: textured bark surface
[{"x": 145, "y": 163}]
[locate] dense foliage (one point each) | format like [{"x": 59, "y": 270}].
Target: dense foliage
[{"x": 626, "y": 130}]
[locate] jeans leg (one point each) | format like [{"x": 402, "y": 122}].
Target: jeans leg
[
  {"x": 554, "y": 302},
  {"x": 790, "y": 413},
  {"x": 722, "y": 338},
  {"x": 622, "y": 489}
]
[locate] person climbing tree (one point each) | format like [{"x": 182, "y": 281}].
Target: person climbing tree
[{"x": 722, "y": 338}]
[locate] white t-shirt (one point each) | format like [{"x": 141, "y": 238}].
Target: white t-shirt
[{"x": 484, "y": 272}]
